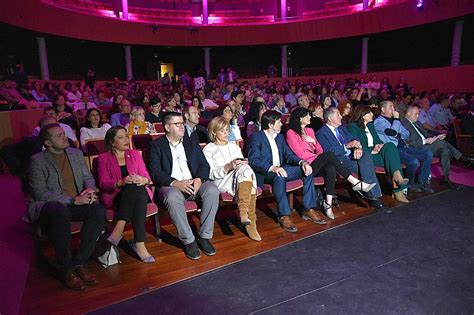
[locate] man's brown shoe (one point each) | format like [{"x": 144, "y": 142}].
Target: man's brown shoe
[
  {"x": 287, "y": 224},
  {"x": 86, "y": 276},
  {"x": 73, "y": 282},
  {"x": 314, "y": 217}
]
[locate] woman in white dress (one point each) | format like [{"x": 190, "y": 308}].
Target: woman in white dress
[
  {"x": 94, "y": 128},
  {"x": 232, "y": 173}
]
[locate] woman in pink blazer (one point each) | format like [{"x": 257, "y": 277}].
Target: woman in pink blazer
[
  {"x": 123, "y": 181},
  {"x": 303, "y": 143}
]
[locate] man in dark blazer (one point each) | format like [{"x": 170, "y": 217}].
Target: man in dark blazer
[
  {"x": 194, "y": 131},
  {"x": 274, "y": 163},
  {"x": 335, "y": 138},
  {"x": 421, "y": 139},
  {"x": 63, "y": 190},
  {"x": 181, "y": 172}
]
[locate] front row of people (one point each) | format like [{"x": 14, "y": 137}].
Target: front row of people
[{"x": 63, "y": 189}]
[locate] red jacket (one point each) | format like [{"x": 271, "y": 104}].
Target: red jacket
[{"x": 109, "y": 174}]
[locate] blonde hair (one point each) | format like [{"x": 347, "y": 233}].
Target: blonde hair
[
  {"x": 216, "y": 124},
  {"x": 135, "y": 111}
]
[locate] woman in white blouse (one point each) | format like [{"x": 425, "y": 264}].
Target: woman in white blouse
[
  {"x": 232, "y": 173},
  {"x": 94, "y": 128}
]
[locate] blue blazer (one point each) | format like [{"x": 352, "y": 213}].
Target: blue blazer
[
  {"x": 260, "y": 154},
  {"x": 329, "y": 141},
  {"x": 161, "y": 161}
]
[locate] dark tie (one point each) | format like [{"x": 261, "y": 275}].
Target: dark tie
[{"x": 340, "y": 137}]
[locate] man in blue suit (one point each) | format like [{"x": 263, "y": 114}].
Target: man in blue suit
[
  {"x": 274, "y": 163},
  {"x": 335, "y": 138},
  {"x": 181, "y": 172}
]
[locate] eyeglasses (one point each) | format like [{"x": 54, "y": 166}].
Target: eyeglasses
[{"x": 177, "y": 124}]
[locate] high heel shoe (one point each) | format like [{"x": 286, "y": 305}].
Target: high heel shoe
[
  {"x": 400, "y": 181},
  {"x": 328, "y": 210},
  {"x": 114, "y": 242},
  {"x": 362, "y": 186},
  {"x": 147, "y": 260}
]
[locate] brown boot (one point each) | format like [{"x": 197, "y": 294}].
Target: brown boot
[
  {"x": 400, "y": 196},
  {"x": 252, "y": 227},
  {"x": 243, "y": 201}
]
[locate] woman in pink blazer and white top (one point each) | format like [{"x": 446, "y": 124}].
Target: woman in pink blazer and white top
[
  {"x": 303, "y": 143},
  {"x": 123, "y": 181}
]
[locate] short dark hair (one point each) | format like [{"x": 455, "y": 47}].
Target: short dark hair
[
  {"x": 168, "y": 116},
  {"x": 44, "y": 132},
  {"x": 384, "y": 104},
  {"x": 235, "y": 93},
  {"x": 358, "y": 115},
  {"x": 269, "y": 117},
  {"x": 110, "y": 136}
]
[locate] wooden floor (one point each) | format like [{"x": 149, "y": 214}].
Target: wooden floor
[{"x": 44, "y": 294}]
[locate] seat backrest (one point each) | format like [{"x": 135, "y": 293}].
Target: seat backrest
[
  {"x": 94, "y": 147},
  {"x": 159, "y": 127},
  {"x": 457, "y": 127}
]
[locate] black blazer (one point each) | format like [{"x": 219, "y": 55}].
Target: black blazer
[
  {"x": 200, "y": 135},
  {"x": 161, "y": 161},
  {"x": 414, "y": 140}
]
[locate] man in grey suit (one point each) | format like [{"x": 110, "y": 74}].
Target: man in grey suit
[
  {"x": 420, "y": 138},
  {"x": 63, "y": 190}
]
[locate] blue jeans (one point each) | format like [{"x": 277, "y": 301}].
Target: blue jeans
[
  {"x": 279, "y": 188},
  {"x": 365, "y": 168},
  {"x": 411, "y": 157}
]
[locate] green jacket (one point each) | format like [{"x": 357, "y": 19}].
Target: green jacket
[{"x": 359, "y": 133}]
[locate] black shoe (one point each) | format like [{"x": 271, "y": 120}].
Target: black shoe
[
  {"x": 446, "y": 182},
  {"x": 426, "y": 188},
  {"x": 415, "y": 188},
  {"x": 206, "y": 247},
  {"x": 466, "y": 162},
  {"x": 192, "y": 251},
  {"x": 379, "y": 206}
]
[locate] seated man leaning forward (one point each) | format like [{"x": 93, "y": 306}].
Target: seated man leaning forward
[
  {"x": 63, "y": 190},
  {"x": 274, "y": 163},
  {"x": 181, "y": 172}
]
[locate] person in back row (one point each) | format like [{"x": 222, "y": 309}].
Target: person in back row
[{"x": 180, "y": 171}]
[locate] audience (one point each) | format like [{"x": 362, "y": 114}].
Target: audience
[
  {"x": 180, "y": 171},
  {"x": 63, "y": 190},
  {"x": 122, "y": 118},
  {"x": 229, "y": 115},
  {"x": 384, "y": 155},
  {"x": 390, "y": 129},
  {"x": 232, "y": 174},
  {"x": 194, "y": 131},
  {"x": 154, "y": 115},
  {"x": 94, "y": 128},
  {"x": 254, "y": 117},
  {"x": 123, "y": 183},
  {"x": 274, "y": 163},
  {"x": 303, "y": 143},
  {"x": 138, "y": 125}
]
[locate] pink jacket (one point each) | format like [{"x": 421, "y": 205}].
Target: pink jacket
[
  {"x": 109, "y": 174},
  {"x": 302, "y": 149}
]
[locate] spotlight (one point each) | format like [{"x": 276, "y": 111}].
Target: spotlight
[{"x": 419, "y": 4}]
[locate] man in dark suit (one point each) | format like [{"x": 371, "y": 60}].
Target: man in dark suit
[
  {"x": 194, "y": 131},
  {"x": 274, "y": 163},
  {"x": 467, "y": 122},
  {"x": 335, "y": 138},
  {"x": 63, "y": 190},
  {"x": 421, "y": 139},
  {"x": 181, "y": 172}
]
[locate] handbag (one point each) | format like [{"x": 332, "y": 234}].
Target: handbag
[{"x": 110, "y": 257}]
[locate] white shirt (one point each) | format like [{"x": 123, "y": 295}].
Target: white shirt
[
  {"x": 419, "y": 133},
  {"x": 180, "y": 169},
  {"x": 335, "y": 135},
  {"x": 93, "y": 133},
  {"x": 370, "y": 139},
  {"x": 82, "y": 105},
  {"x": 275, "y": 152}
]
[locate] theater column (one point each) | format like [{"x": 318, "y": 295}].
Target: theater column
[
  {"x": 457, "y": 41},
  {"x": 365, "y": 55},
  {"x": 125, "y": 9},
  {"x": 43, "y": 58},
  {"x": 284, "y": 61},
  {"x": 283, "y": 10},
  {"x": 128, "y": 62},
  {"x": 205, "y": 12},
  {"x": 207, "y": 61}
]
